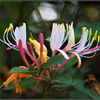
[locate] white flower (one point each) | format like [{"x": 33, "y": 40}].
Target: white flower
[
  {"x": 71, "y": 39},
  {"x": 57, "y": 38},
  {"x": 47, "y": 11},
  {"x": 18, "y": 34},
  {"x": 83, "y": 46}
]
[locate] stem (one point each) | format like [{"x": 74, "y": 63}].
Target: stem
[
  {"x": 64, "y": 63},
  {"x": 36, "y": 86}
]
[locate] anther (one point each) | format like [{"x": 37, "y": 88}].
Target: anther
[
  {"x": 96, "y": 34},
  {"x": 67, "y": 26},
  {"x": 62, "y": 26},
  {"x": 90, "y": 31},
  {"x": 83, "y": 29},
  {"x": 53, "y": 27}
]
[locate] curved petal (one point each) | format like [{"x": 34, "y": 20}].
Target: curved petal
[
  {"x": 63, "y": 53},
  {"x": 79, "y": 59},
  {"x": 71, "y": 41},
  {"x": 82, "y": 41},
  {"x": 20, "y": 34},
  {"x": 57, "y": 36}
]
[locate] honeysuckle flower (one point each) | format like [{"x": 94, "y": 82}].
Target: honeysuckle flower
[
  {"x": 47, "y": 11},
  {"x": 18, "y": 34},
  {"x": 82, "y": 47},
  {"x": 71, "y": 39},
  {"x": 57, "y": 39},
  {"x": 16, "y": 77},
  {"x": 36, "y": 45},
  {"x": 41, "y": 51}
]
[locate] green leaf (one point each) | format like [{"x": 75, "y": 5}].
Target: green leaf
[
  {"x": 18, "y": 70},
  {"x": 62, "y": 78},
  {"x": 28, "y": 82},
  {"x": 22, "y": 70},
  {"x": 53, "y": 61},
  {"x": 79, "y": 86},
  {"x": 61, "y": 85},
  {"x": 77, "y": 95}
]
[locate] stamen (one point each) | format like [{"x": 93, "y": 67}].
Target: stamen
[
  {"x": 89, "y": 56},
  {"x": 8, "y": 30},
  {"x": 12, "y": 35},
  {"x": 5, "y": 31},
  {"x": 90, "y": 31},
  {"x": 5, "y": 40},
  {"x": 11, "y": 25},
  {"x": 62, "y": 26},
  {"x": 31, "y": 36},
  {"x": 67, "y": 26},
  {"x": 53, "y": 27},
  {"x": 8, "y": 40},
  {"x": 83, "y": 29},
  {"x": 93, "y": 39},
  {"x": 68, "y": 32},
  {"x": 96, "y": 34}
]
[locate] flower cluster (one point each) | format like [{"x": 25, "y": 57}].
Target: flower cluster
[{"x": 59, "y": 35}]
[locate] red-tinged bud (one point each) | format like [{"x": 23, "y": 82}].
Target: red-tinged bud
[
  {"x": 32, "y": 58},
  {"x": 31, "y": 50},
  {"x": 22, "y": 53},
  {"x": 41, "y": 47}
]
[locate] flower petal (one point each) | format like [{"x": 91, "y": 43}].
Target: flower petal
[
  {"x": 82, "y": 41},
  {"x": 63, "y": 53},
  {"x": 71, "y": 41},
  {"x": 79, "y": 59},
  {"x": 57, "y": 36}
]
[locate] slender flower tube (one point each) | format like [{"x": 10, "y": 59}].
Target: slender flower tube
[
  {"x": 83, "y": 47},
  {"x": 57, "y": 39},
  {"x": 22, "y": 53},
  {"x": 41, "y": 47}
]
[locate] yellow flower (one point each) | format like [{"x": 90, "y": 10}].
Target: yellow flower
[
  {"x": 36, "y": 45},
  {"x": 16, "y": 77}
]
